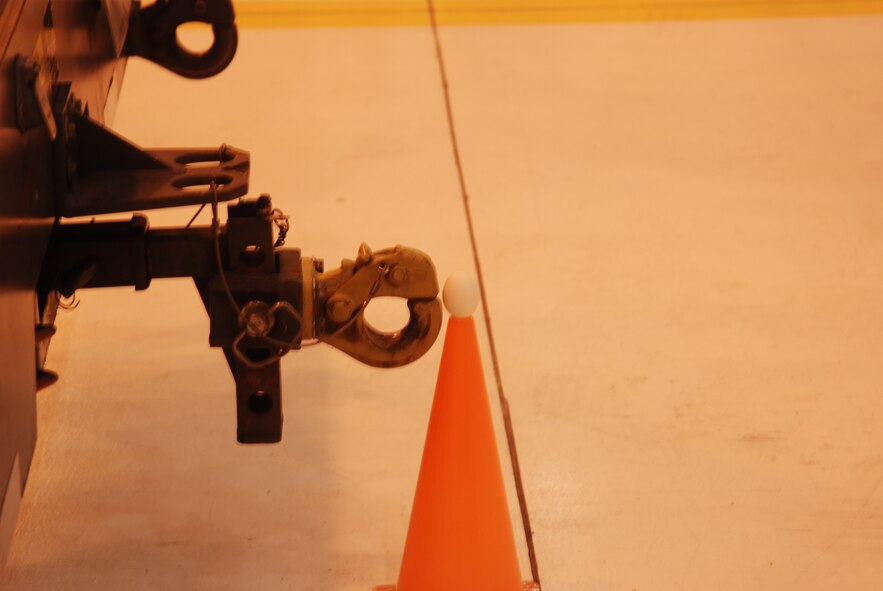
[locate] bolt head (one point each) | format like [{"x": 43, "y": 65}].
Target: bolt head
[
  {"x": 340, "y": 309},
  {"x": 398, "y": 275},
  {"x": 256, "y": 319},
  {"x": 257, "y": 324}
]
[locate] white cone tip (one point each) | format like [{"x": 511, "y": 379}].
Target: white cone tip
[{"x": 461, "y": 295}]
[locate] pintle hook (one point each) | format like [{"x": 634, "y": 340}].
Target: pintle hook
[{"x": 341, "y": 296}]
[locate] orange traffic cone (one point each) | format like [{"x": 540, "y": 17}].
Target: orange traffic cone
[{"x": 460, "y": 537}]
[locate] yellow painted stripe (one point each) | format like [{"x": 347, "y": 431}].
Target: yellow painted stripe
[{"x": 368, "y": 13}]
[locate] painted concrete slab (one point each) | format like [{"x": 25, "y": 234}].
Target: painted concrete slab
[{"x": 681, "y": 231}]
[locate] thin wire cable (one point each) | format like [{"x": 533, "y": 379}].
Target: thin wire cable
[
  {"x": 222, "y": 152},
  {"x": 504, "y": 403},
  {"x": 216, "y": 229},
  {"x": 195, "y": 215}
]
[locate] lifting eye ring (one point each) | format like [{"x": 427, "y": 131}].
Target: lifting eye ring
[
  {"x": 153, "y": 35},
  {"x": 206, "y": 63}
]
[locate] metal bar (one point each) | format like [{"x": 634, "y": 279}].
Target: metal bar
[
  {"x": 179, "y": 252},
  {"x": 113, "y": 254}
]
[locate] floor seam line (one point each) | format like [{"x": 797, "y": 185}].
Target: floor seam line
[{"x": 504, "y": 403}]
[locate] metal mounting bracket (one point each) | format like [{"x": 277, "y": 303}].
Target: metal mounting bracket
[
  {"x": 33, "y": 87},
  {"x": 98, "y": 171},
  {"x": 263, "y": 300}
]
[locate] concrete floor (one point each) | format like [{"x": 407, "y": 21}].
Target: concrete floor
[{"x": 680, "y": 228}]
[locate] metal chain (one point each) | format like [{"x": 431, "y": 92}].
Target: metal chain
[{"x": 281, "y": 220}]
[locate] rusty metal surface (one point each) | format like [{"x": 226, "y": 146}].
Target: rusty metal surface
[
  {"x": 84, "y": 54},
  {"x": 343, "y": 294},
  {"x": 107, "y": 173},
  {"x": 262, "y": 298}
]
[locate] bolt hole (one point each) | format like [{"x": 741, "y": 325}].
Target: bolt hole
[
  {"x": 252, "y": 255},
  {"x": 203, "y": 164},
  {"x": 196, "y": 189},
  {"x": 205, "y": 159},
  {"x": 200, "y": 184},
  {"x": 260, "y": 402}
]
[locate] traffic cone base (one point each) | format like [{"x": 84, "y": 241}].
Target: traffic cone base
[{"x": 460, "y": 535}]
